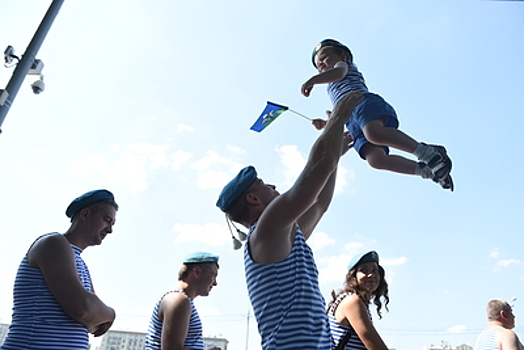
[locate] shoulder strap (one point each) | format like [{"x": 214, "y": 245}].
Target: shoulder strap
[{"x": 344, "y": 340}]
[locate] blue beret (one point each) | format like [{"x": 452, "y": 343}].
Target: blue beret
[
  {"x": 236, "y": 187},
  {"x": 329, "y": 42},
  {"x": 369, "y": 256},
  {"x": 200, "y": 257},
  {"x": 87, "y": 199}
]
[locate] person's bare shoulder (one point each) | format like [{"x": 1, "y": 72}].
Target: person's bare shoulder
[
  {"x": 507, "y": 340},
  {"x": 350, "y": 303},
  {"x": 174, "y": 302},
  {"x": 50, "y": 245},
  {"x": 351, "y": 299}
]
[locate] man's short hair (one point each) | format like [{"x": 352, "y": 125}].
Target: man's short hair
[{"x": 494, "y": 308}]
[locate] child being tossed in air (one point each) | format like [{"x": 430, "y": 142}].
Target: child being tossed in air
[{"x": 373, "y": 123}]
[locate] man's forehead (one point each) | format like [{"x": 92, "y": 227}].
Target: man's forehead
[
  {"x": 259, "y": 182},
  {"x": 108, "y": 210}
]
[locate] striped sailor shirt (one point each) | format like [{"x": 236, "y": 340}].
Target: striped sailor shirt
[
  {"x": 486, "y": 339},
  {"x": 338, "y": 330},
  {"x": 194, "y": 339},
  {"x": 286, "y": 299},
  {"x": 353, "y": 81},
  {"x": 39, "y": 323}
]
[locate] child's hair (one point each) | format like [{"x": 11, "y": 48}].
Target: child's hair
[
  {"x": 338, "y": 48},
  {"x": 351, "y": 286}
]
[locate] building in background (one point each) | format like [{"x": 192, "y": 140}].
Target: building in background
[
  {"x": 126, "y": 340},
  {"x": 218, "y": 342},
  {"x": 4, "y": 328},
  {"x": 123, "y": 340},
  {"x": 446, "y": 346},
  {"x": 463, "y": 347}
]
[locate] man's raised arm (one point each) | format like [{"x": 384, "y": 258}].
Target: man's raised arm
[{"x": 275, "y": 227}]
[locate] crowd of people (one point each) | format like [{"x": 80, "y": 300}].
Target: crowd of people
[{"x": 56, "y": 307}]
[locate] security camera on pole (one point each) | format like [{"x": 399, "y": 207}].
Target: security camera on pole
[{"x": 28, "y": 65}]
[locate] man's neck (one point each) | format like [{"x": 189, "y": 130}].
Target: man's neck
[
  {"x": 184, "y": 286},
  {"x": 75, "y": 238},
  {"x": 495, "y": 323}
]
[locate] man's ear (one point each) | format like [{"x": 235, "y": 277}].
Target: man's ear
[
  {"x": 503, "y": 315},
  {"x": 84, "y": 213},
  {"x": 252, "y": 198},
  {"x": 197, "y": 270}
]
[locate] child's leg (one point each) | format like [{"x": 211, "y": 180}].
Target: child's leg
[
  {"x": 378, "y": 134},
  {"x": 378, "y": 159},
  {"x": 435, "y": 156}
]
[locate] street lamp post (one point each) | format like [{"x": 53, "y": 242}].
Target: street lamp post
[{"x": 27, "y": 62}]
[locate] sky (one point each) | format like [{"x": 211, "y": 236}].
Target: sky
[{"x": 153, "y": 100}]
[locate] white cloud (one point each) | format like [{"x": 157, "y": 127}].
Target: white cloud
[
  {"x": 293, "y": 163},
  {"x": 155, "y": 154},
  {"x": 132, "y": 163},
  {"x": 509, "y": 262},
  {"x": 236, "y": 150},
  {"x": 183, "y": 128},
  {"x": 207, "y": 311},
  {"x": 179, "y": 158},
  {"x": 494, "y": 253},
  {"x": 394, "y": 261},
  {"x": 390, "y": 274},
  {"x": 128, "y": 169},
  {"x": 213, "y": 179},
  {"x": 353, "y": 246},
  {"x": 333, "y": 268},
  {"x": 341, "y": 182},
  {"x": 210, "y": 233},
  {"x": 457, "y": 329},
  {"x": 210, "y": 159},
  {"x": 319, "y": 240}
]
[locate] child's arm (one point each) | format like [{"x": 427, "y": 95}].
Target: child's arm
[{"x": 336, "y": 73}]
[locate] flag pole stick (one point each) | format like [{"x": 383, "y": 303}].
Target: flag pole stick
[{"x": 300, "y": 114}]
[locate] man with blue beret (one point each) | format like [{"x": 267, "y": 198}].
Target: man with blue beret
[
  {"x": 55, "y": 305},
  {"x": 281, "y": 274},
  {"x": 175, "y": 323}
]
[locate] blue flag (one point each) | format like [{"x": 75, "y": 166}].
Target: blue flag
[{"x": 270, "y": 113}]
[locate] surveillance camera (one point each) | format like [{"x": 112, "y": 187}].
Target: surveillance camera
[{"x": 38, "y": 86}]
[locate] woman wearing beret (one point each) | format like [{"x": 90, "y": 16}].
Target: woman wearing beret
[{"x": 349, "y": 314}]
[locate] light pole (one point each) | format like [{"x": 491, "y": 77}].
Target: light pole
[{"x": 27, "y": 63}]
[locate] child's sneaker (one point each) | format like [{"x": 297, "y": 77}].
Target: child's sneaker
[
  {"x": 440, "y": 163},
  {"x": 446, "y": 183},
  {"x": 424, "y": 171}
]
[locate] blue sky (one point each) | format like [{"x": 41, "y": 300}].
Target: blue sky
[{"x": 154, "y": 100}]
